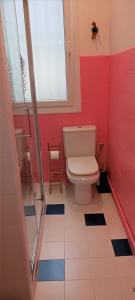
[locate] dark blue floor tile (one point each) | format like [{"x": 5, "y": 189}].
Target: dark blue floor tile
[
  {"x": 94, "y": 219},
  {"x": 29, "y": 210},
  {"x": 51, "y": 270},
  {"x": 121, "y": 247},
  {"x": 55, "y": 209}
]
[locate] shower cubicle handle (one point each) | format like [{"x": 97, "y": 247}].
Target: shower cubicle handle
[{"x": 29, "y": 125}]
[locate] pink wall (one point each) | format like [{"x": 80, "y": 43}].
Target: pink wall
[
  {"x": 122, "y": 133},
  {"x": 94, "y": 72}
]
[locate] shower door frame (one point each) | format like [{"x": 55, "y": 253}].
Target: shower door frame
[
  {"x": 36, "y": 122},
  {"x": 33, "y": 94},
  {"x": 36, "y": 128}
]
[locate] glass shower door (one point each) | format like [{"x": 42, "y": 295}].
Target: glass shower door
[{"x": 25, "y": 119}]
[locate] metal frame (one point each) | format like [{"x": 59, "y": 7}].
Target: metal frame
[
  {"x": 33, "y": 93},
  {"x": 55, "y": 174}
]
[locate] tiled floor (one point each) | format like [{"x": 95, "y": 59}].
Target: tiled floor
[
  {"x": 32, "y": 211},
  {"x": 85, "y": 253}
]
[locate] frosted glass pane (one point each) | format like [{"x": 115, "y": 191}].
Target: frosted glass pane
[
  {"x": 23, "y": 48},
  {"x": 46, "y": 18},
  {"x": 16, "y": 49},
  {"x": 12, "y": 49}
]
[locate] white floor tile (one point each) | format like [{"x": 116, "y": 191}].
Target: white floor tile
[
  {"x": 125, "y": 267},
  {"x": 107, "y": 201},
  {"x": 53, "y": 229},
  {"x": 116, "y": 231},
  {"x": 74, "y": 220},
  {"x": 114, "y": 289},
  {"x": 52, "y": 250},
  {"x": 77, "y": 269},
  {"x": 128, "y": 286},
  {"x": 112, "y": 217},
  {"x": 103, "y": 268},
  {"x": 56, "y": 197},
  {"x": 50, "y": 291},
  {"x": 95, "y": 206},
  {"x": 75, "y": 234},
  {"x": 97, "y": 231},
  {"x": 76, "y": 250},
  {"x": 100, "y": 246},
  {"x": 79, "y": 290},
  {"x": 108, "y": 289}
]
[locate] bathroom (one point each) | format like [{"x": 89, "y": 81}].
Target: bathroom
[{"x": 49, "y": 248}]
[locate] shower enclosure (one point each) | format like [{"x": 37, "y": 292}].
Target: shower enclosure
[{"x": 19, "y": 59}]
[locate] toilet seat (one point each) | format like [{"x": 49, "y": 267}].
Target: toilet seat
[
  {"x": 82, "y": 165},
  {"x": 83, "y": 180}
]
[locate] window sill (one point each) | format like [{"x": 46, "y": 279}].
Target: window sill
[{"x": 55, "y": 107}]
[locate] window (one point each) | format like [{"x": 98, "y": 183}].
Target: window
[{"x": 55, "y": 54}]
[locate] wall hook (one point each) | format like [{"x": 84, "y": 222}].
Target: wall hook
[{"x": 94, "y": 30}]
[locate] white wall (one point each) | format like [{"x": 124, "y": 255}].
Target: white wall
[
  {"x": 93, "y": 10},
  {"x": 122, "y": 25},
  {"x": 116, "y": 22}
]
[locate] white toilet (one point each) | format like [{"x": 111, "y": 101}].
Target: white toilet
[{"x": 81, "y": 165}]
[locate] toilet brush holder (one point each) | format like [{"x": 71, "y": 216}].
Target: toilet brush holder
[{"x": 103, "y": 186}]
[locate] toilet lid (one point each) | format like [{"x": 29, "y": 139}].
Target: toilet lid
[{"x": 82, "y": 165}]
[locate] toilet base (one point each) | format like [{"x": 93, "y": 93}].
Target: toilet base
[{"x": 83, "y": 193}]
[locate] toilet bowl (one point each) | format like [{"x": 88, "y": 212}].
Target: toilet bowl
[
  {"x": 81, "y": 165},
  {"x": 82, "y": 172}
]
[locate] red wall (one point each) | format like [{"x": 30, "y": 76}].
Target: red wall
[
  {"x": 94, "y": 96},
  {"x": 94, "y": 71},
  {"x": 121, "y": 150}
]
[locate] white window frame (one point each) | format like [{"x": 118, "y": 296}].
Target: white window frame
[{"x": 73, "y": 103}]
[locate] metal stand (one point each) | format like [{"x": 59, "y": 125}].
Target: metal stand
[{"x": 55, "y": 169}]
